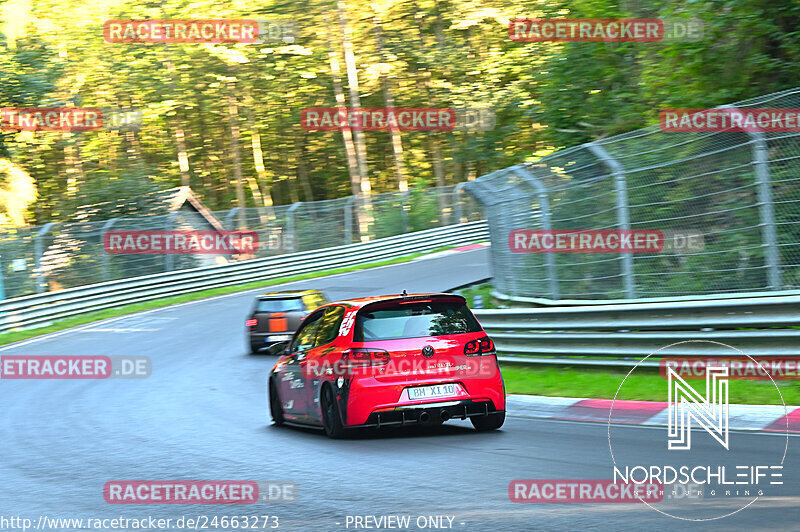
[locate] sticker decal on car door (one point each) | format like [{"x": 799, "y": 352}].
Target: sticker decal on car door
[{"x": 347, "y": 323}]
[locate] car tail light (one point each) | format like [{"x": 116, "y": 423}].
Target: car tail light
[
  {"x": 365, "y": 357},
  {"x": 252, "y": 322},
  {"x": 379, "y": 357},
  {"x": 487, "y": 346},
  {"x": 481, "y": 346},
  {"x": 473, "y": 347}
]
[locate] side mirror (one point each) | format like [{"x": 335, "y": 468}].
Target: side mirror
[{"x": 280, "y": 348}]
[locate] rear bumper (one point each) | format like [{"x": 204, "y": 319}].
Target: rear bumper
[
  {"x": 439, "y": 411},
  {"x": 364, "y": 399},
  {"x": 270, "y": 338}
]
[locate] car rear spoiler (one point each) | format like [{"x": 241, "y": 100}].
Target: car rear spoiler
[{"x": 415, "y": 298}]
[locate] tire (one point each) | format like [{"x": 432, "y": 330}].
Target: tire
[
  {"x": 275, "y": 407},
  {"x": 331, "y": 420},
  {"x": 489, "y": 422},
  {"x": 254, "y": 348}
]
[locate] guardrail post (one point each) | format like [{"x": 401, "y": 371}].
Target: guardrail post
[
  {"x": 169, "y": 258},
  {"x": 544, "y": 202},
  {"x": 229, "y": 222},
  {"x": 348, "y": 220},
  {"x": 105, "y": 256},
  {"x": 38, "y": 251},
  {"x": 623, "y": 214},
  {"x": 291, "y": 227}
]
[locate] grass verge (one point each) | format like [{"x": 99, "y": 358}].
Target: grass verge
[
  {"x": 60, "y": 325},
  {"x": 482, "y": 290},
  {"x": 642, "y": 385}
]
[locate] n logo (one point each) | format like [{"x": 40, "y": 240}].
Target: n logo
[{"x": 685, "y": 405}]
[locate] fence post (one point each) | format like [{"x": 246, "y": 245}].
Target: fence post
[
  {"x": 291, "y": 228},
  {"x": 38, "y": 251},
  {"x": 544, "y": 202},
  {"x": 106, "y": 228},
  {"x": 458, "y": 207},
  {"x": 623, "y": 214},
  {"x": 766, "y": 209},
  {"x": 487, "y": 199},
  {"x": 441, "y": 201},
  {"x": 348, "y": 220}
]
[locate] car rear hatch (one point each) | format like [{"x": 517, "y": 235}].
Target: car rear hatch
[
  {"x": 278, "y": 316},
  {"x": 425, "y": 339}
]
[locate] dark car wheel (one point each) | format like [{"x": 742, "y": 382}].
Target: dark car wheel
[
  {"x": 489, "y": 422},
  {"x": 254, "y": 348},
  {"x": 275, "y": 407},
  {"x": 331, "y": 419}
]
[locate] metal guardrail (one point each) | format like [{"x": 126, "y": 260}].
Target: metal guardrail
[
  {"x": 69, "y": 254},
  {"x": 512, "y": 301},
  {"x": 566, "y": 334},
  {"x": 41, "y": 309}
]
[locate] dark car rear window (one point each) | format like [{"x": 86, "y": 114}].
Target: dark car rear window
[
  {"x": 414, "y": 320},
  {"x": 279, "y": 305}
]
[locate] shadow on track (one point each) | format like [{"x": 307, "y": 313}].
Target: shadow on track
[{"x": 389, "y": 433}]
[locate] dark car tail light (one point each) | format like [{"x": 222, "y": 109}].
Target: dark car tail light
[
  {"x": 379, "y": 357},
  {"x": 481, "y": 346},
  {"x": 362, "y": 357},
  {"x": 252, "y": 322},
  {"x": 473, "y": 347},
  {"x": 487, "y": 346}
]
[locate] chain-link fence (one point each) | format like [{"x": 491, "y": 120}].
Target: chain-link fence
[
  {"x": 69, "y": 254},
  {"x": 738, "y": 192}
]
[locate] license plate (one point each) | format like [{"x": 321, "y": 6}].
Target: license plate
[
  {"x": 432, "y": 392},
  {"x": 278, "y": 338}
]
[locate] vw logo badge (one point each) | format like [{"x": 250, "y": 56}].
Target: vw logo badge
[{"x": 427, "y": 351}]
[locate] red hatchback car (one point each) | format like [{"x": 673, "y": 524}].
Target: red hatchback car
[{"x": 388, "y": 360}]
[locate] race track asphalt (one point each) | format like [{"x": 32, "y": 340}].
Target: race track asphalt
[{"x": 201, "y": 415}]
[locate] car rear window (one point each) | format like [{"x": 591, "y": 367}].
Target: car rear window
[
  {"x": 414, "y": 320},
  {"x": 279, "y": 305}
]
